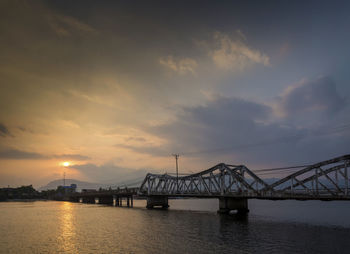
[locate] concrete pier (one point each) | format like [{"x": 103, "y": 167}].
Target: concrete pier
[
  {"x": 130, "y": 201},
  {"x": 226, "y": 204},
  {"x": 157, "y": 201},
  {"x": 116, "y": 201}
]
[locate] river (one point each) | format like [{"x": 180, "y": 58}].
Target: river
[{"x": 189, "y": 226}]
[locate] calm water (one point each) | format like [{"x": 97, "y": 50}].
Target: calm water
[{"x": 190, "y": 226}]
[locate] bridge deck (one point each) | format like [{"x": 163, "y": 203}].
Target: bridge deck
[{"x": 282, "y": 197}]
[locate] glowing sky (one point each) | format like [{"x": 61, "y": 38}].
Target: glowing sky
[{"x": 115, "y": 88}]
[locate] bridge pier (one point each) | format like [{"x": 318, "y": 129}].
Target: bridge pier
[
  {"x": 116, "y": 200},
  {"x": 226, "y": 204},
  {"x": 130, "y": 201},
  {"x": 159, "y": 201}
]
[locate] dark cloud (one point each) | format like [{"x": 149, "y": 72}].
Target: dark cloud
[
  {"x": 4, "y": 132},
  {"x": 249, "y": 132},
  {"x": 71, "y": 157},
  {"x": 222, "y": 125},
  {"x": 15, "y": 154},
  {"x": 318, "y": 97},
  {"x": 222, "y": 122}
]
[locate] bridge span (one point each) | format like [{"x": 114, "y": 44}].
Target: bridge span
[{"x": 233, "y": 185}]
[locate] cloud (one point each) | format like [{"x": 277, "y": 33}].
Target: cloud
[
  {"x": 110, "y": 173},
  {"x": 137, "y": 139},
  {"x": 14, "y": 154},
  {"x": 316, "y": 96},
  {"x": 226, "y": 52},
  {"x": 76, "y": 24},
  {"x": 247, "y": 131},
  {"x": 156, "y": 150},
  {"x": 222, "y": 122},
  {"x": 311, "y": 103},
  {"x": 181, "y": 66},
  {"x": 26, "y": 129},
  {"x": 78, "y": 157},
  {"x": 235, "y": 54},
  {"x": 4, "y": 132},
  {"x": 67, "y": 25}
]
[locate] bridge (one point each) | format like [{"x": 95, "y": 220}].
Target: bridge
[
  {"x": 233, "y": 185},
  {"x": 107, "y": 197}
]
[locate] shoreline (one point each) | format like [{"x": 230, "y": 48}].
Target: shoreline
[{"x": 24, "y": 200}]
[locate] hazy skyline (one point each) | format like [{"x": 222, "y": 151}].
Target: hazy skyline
[{"x": 115, "y": 88}]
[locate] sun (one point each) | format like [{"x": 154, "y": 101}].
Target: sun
[{"x": 66, "y": 163}]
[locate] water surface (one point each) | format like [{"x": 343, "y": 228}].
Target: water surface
[{"x": 190, "y": 226}]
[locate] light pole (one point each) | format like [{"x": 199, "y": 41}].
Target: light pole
[{"x": 177, "y": 171}]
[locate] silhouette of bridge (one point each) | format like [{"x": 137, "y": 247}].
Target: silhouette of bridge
[{"x": 233, "y": 185}]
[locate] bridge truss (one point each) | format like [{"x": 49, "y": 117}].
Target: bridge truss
[{"x": 326, "y": 180}]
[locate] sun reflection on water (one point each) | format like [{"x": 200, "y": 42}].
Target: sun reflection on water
[{"x": 68, "y": 230}]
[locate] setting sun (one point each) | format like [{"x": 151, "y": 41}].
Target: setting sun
[{"x": 66, "y": 163}]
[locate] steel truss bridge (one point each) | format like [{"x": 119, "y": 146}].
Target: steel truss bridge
[
  {"x": 233, "y": 185},
  {"x": 326, "y": 180}
]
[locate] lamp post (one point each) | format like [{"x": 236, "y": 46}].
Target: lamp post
[{"x": 177, "y": 171}]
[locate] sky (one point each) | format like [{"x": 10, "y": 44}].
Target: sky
[{"x": 115, "y": 88}]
